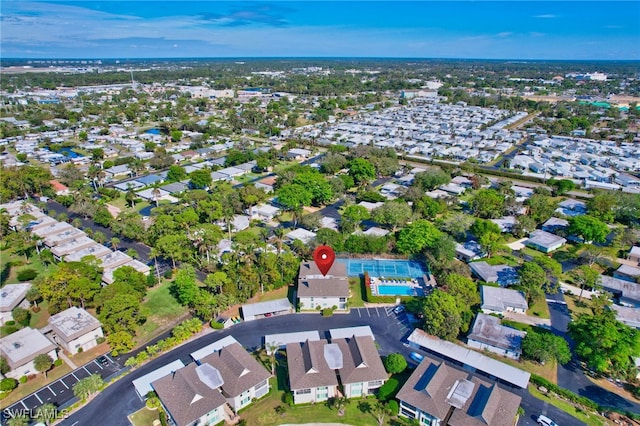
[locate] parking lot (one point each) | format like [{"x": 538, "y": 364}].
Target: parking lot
[
  {"x": 60, "y": 392},
  {"x": 404, "y": 325}
]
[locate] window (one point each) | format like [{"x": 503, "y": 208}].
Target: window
[
  {"x": 322, "y": 392},
  {"x": 303, "y": 391},
  {"x": 343, "y": 300},
  {"x": 245, "y": 397},
  {"x": 261, "y": 384},
  {"x": 375, "y": 384}
]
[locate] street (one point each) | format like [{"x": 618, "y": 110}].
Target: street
[{"x": 113, "y": 404}]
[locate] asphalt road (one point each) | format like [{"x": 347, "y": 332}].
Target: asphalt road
[
  {"x": 113, "y": 405},
  {"x": 571, "y": 376}
]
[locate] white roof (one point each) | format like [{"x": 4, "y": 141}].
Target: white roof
[
  {"x": 348, "y": 332},
  {"x": 470, "y": 358},
  {"x": 11, "y": 295},
  {"x": 213, "y": 347},
  {"x": 23, "y": 346},
  {"x": 302, "y": 235},
  {"x": 262, "y": 308},
  {"x": 143, "y": 384},
  {"x": 283, "y": 339}
]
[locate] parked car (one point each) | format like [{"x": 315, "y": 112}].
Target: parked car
[
  {"x": 398, "y": 309},
  {"x": 545, "y": 421},
  {"x": 416, "y": 357},
  {"x": 103, "y": 360}
]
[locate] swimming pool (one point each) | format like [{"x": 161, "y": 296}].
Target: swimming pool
[
  {"x": 384, "y": 268},
  {"x": 395, "y": 290}
]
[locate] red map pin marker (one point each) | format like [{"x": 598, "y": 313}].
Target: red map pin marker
[{"x": 324, "y": 257}]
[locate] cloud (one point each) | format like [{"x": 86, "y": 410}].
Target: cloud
[
  {"x": 504, "y": 34},
  {"x": 546, "y": 16},
  {"x": 260, "y": 13}
]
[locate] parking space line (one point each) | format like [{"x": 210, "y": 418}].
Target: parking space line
[
  {"x": 377, "y": 311},
  {"x": 51, "y": 390},
  {"x": 368, "y": 313},
  {"x": 62, "y": 381},
  {"x": 74, "y": 375},
  {"x": 359, "y": 314},
  {"x": 85, "y": 369},
  {"x": 98, "y": 364},
  {"x": 36, "y": 395},
  {"x": 23, "y": 404}
]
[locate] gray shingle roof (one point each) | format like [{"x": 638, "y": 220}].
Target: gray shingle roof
[
  {"x": 238, "y": 368},
  {"x": 435, "y": 387},
  {"x": 186, "y": 397},
  {"x": 361, "y": 361},
  {"x": 307, "y": 366},
  {"x": 311, "y": 282}
]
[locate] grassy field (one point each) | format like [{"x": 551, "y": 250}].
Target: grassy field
[
  {"x": 591, "y": 419},
  {"x": 539, "y": 309},
  {"x": 144, "y": 417},
  {"x": 355, "y": 293},
  {"x": 577, "y": 306},
  {"x": 163, "y": 309},
  {"x": 548, "y": 371},
  {"x": 358, "y": 411}
]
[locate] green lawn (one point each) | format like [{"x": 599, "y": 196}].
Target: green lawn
[
  {"x": 163, "y": 311},
  {"x": 539, "y": 309},
  {"x": 502, "y": 260},
  {"x": 144, "y": 417},
  {"x": 355, "y": 293},
  {"x": 591, "y": 419},
  {"x": 34, "y": 384},
  {"x": 577, "y": 306}
]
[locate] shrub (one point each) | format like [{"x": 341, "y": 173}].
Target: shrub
[
  {"x": 100, "y": 340},
  {"x": 9, "y": 329},
  {"x": 23, "y": 379},
  {"x": 10, "y": 323},
  {"x": 57, "y": 362},
  {"x": 163, "y": 418},
  {"x": 327, "y": 312},
  {"x": 216, "y": 325},
  {"x": 26, "y": 274},
  {"x": 168, "y": 274},
  {"x": 395, "y": 363},
  {"x": 388, "y": 390},
  {"x": 8, "y": 384},
  {"x": 318, "y": 307},
  {"x": 80, "y": 350},
  {"x": 288, "y": 399},
  {"x": 153, "y": 402},
  {"x": 393, "y": 407},
  {"x": 577, "y": 399}
]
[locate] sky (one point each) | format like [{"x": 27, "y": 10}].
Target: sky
[{"x": 119, "y": 29}]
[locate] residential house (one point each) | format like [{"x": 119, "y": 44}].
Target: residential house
[
  {"x": 469, "y": 251},
  {"x": 438, "y": 393},
  {"x": 325, "y": 291},
  {"x": 253, "y": 311},
  {"x": 634, "y": 254},
  {"x": 504, "y": 275},
  {"x": 59, "y": 188},
  {"x": 264, "y": 212},
  {"x": 21, "y": 348},
  {"x": 76, "y": 330},
  {"x": 312, "y": 366},
  {"x": 12, "y": 296},
  {"x": 626, "y": 293},
  {"x": 627, "y": 315},
  {"x": 362, "y": 370},
  {"x": 506, "y": 223},
  {"x": 244, "y": 379},
  {"x": 571, "y": 207},
  {"x": 544, "y": 241},
  {"x": 497, "y": 300},
  {"x": 298, "y": 154},
  {"x": 301, "y": 234},
  {"x": 488, "y": 334},
  {"x": 191, "y": 395},
  {"x": 627, "y": 273},
  {"x": 555, "y": 224}
]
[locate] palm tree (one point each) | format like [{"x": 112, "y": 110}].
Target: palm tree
[
  {"x": 47, "y": 413},
  {"x": 115, "y": 241},
  {"x": 154, "y": 253},
  {"x": 272, "y": 349},
  {"x": 131, "y": 196},
  {"x": 156, "y": 193}
]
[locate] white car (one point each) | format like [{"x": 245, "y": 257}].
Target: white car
[
  {"x": 545, "y": 421},
  {"x": 416, "y": 357}
]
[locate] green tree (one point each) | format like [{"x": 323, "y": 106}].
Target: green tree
[
  {"x": 588, "y": 228},
  {"x": 84, "y": 388},
  {"x": 541, "y": 207},
  {"x": 602, "y": 206},
  {"x": 46, "y": 413},
  {"x": 4, "y": 365},
  {"x": 18, "y": 420},
  {"x": 355, "y": 213},
  {"x": 43, "y": 363},
  {"x": 395, "y": 363},
  {"x": 441, "y": 315},
  {"x": 585, "y": 277},
  {"x": 532, "y": 279},
  {"x": 488, "y": 203},
  {"x": 417, "y": 236},
  {"x": 21, "y": 316},
  {"x": 562, "y": 186},
  {"x": 200, "y": 179},
  {"x": 605, "y": 344},
  {"x": 392, "y": 214},
  {"x": 544, "y": 347},
  {"x": 431, "y": 179},
  {"x": 176, "y": 135},
  {"x": 362, "y": 171},
  {"x": 176, "y": 174},
  {"x": 120, "y": 342},
  {"x": 185, "y": 285}
]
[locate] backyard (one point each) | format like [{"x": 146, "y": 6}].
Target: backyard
[{"x": 163, "y": 312}]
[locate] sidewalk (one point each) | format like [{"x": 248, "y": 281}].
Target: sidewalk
[{"x": 526, "y": 319}]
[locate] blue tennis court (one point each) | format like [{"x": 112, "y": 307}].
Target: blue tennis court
[{"x": 384, "y": 268}]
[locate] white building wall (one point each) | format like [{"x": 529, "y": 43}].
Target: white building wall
[
  {"x": 253, "y": 393},
  {"x": 315, "y": 395},
  {"x": 85, "y": 342},
  {"x": 483, "y": 346},
  {"x": 28, "y": 368},
  {"x": 323, "y": 302}
]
